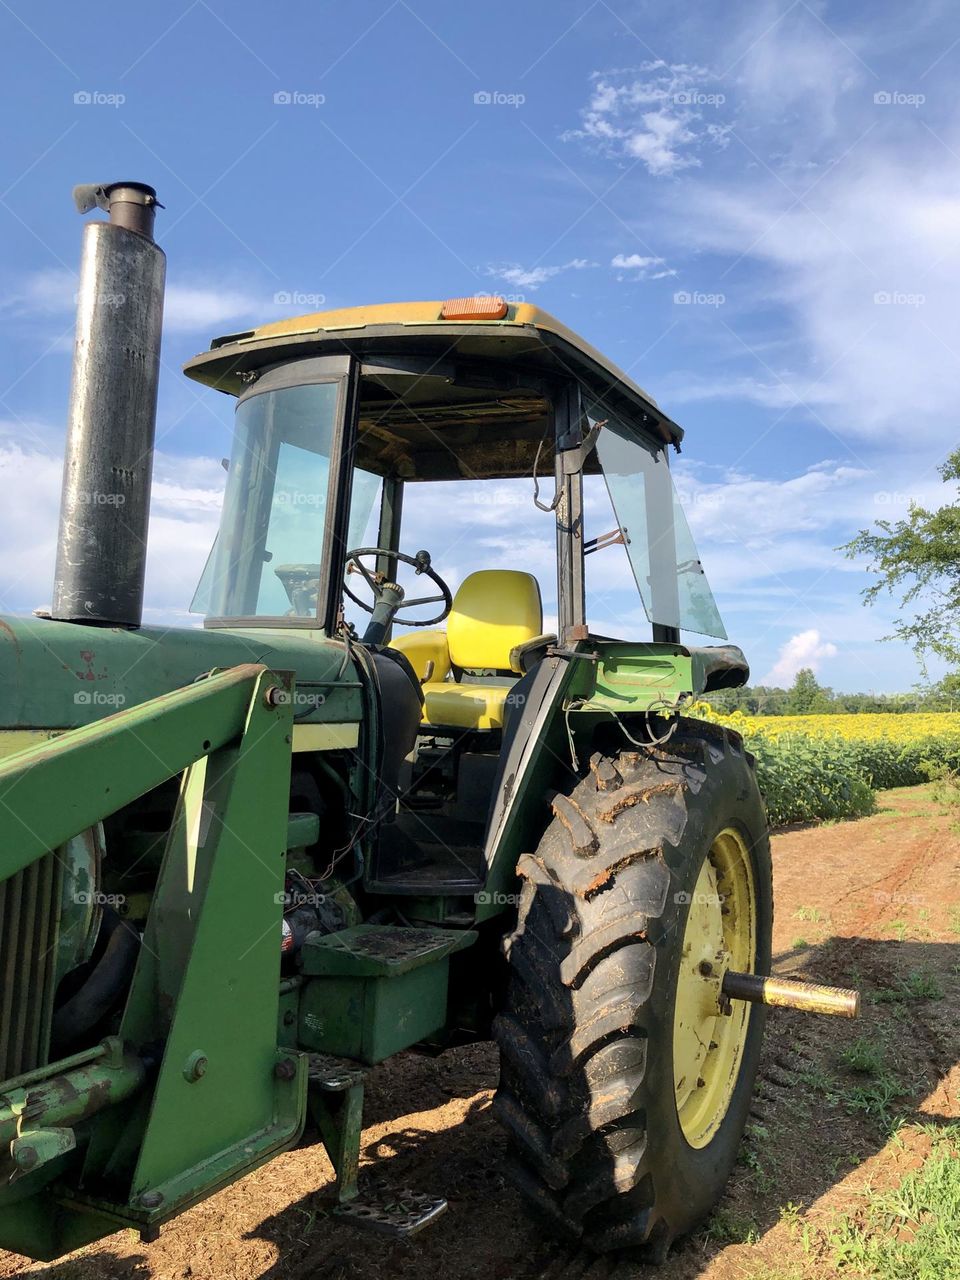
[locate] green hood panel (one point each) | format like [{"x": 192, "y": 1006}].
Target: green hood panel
[{"x": 59, "y": 675}]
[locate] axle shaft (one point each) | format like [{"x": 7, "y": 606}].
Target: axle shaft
[{"x": 809, "y": 997}]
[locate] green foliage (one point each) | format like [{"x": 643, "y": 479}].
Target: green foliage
[
  {"x": 807, "y": 697},
  {"x": 909, "y": 1232},
  {"x": 806, "y": 779},
  {"x": 918, "y": 560}
]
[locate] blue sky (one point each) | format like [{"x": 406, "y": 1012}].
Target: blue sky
[{"x": 753, "y": 208}]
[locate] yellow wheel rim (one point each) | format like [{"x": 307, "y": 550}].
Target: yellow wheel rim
[{"x": 720, "y": 934}]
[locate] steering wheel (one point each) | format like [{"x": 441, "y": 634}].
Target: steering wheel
[{"x": 377, "y": 583}]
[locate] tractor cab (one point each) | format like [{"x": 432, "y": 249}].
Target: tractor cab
[{"x": 455, "y": 489}]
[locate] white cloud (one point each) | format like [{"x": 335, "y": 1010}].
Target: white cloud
[
  {"x": 187, "y": 307},
  {"x": 184, "y": 514},
  {"x": 806, "y": 649},
  {"x": 654, "y": 114},
  {"x": 641, "y": 267},
  {"x": 533, "y": 277},
  {"x": 869, "y": 283}
]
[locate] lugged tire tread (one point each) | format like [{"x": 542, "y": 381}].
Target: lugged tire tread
[{"x": 573, "y": 1044}]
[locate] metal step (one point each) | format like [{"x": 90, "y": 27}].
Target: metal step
[
  {"x": 379, "y": 950},
  {"x": 400, "y": 1214},
  {"x": 333, "y": 1075}
]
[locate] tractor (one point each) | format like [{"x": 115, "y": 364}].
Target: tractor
[{"x": 361, "y": 809}]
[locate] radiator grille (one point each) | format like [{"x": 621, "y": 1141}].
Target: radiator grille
[{"x": 29, "y": 927}]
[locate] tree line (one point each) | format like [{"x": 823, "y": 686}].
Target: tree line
[{"x": 807, "y": 697}]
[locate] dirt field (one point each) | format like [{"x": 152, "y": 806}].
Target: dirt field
[{"x": 844, "y": 1111}]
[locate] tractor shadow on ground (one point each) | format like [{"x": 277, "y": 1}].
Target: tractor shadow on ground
[
  {"x": 829, "y": 1093},
  {"x": 823, "y": 1105}
]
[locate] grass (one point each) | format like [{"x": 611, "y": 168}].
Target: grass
[
  {"x": 864, "y": 1056},
  {"x": 918, "y": 984},
  {"x": 945, "y": 783},
  {"x": 812, "y": 914},
  {"x": 873, "y": 1098},
  {"x": 909, "y": 1232},
  {"x": 726, "y": 1226}
]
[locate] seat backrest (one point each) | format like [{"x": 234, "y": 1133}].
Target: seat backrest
[{"x": 493, "y": 610}]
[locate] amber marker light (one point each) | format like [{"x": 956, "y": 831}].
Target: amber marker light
[{"x": 474, "y": 309}]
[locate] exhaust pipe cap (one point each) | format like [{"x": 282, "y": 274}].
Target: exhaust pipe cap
[{"x": 132, "y": 205}]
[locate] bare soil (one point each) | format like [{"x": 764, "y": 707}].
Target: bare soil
[{"x": 873, "y": 904}]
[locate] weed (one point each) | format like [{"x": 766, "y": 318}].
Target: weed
[
  {"x": 908, "y": 1232},
  {"x": 812, "y": 914},
  {"x": 726, "y": 1226},
  {"x": 864, "y": 1056},
  {"x": 918, "y": 984}
]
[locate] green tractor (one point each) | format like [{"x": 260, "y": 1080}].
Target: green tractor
[{"x": 359, "y": 812}]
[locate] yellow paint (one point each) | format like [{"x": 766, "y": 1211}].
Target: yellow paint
[
  {"x": 465, "y": 706},
  {"x": 325, "y": 737},
  {"x": 494, "y": 610},
  {"x": 13, "y": 740},
  {"x": 720, "y": 934},
  {"x": 422, "y": 647}
]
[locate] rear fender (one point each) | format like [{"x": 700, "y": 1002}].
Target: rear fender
[{"x": 554, "y": 713}]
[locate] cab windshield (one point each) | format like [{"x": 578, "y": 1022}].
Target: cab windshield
[
  {"x": 461, "y": 471},
  {"x": 267, "y": 556},
  {"x": 656, "y": 537}
]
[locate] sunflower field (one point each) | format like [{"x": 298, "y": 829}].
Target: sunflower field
[{"x": 820, "y": 767}]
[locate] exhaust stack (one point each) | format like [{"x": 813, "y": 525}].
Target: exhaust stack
[{"x": 104, "y": 507}]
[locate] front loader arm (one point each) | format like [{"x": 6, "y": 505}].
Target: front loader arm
[{"x": 193, "y": 1092}]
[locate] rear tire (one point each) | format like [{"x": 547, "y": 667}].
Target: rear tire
[{"x": 588, "y": 1090}]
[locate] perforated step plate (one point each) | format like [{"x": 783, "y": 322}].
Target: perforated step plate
[
  {"x": 333, "y": 1075},
  {"x": 379, "y": 951},
  {"x": 402, "y": 1214}
]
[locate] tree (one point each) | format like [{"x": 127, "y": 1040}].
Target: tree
[
  {"x": 806, "y": 696},
  {"x": 918, "y": 560}
]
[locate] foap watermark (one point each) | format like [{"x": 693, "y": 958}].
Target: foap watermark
[
  {"x": 684, "y": 899},
  {"x": 298, "y": 98},
  {"x": 302, "y": 700},
  {"x": 897, "y": 298},
  {"x": 94, "y": 498},
  {"x": 98, "y": 698},
  {"x": 299, "y": 498},
  {"x": 494, "y": 898},
  {"x": 694, "y": 298},
  {"x": 105, "y": 299},
  {"x": 891, "y": 498},
  {"x": 299, "y": 898},
  {"x": 695, "y": 98},
  {"x": 512, "y": 299},
  {"x": 94, "y": 898},
  {"x": 894, "y": 98},
  {"x": 296, "y": 298},
  {"x": 98, "y": 98},
  {"x": 898, "y": 899},
  {"x": 500, "y": 498},
  {"x": 497, "y": 98}
]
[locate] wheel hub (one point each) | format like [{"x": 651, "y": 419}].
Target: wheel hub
[{"x": 709, "y": 1033}]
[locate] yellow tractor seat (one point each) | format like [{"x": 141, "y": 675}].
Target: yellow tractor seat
[{"x": 494, "y": 612}]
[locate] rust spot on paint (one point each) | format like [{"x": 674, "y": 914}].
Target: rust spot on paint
[
  {"x": 5, "y": 626},
  {"x": 88, "y": 656}
]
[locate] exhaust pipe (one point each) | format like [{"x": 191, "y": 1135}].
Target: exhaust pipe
[{"x": 104, "y": 506}]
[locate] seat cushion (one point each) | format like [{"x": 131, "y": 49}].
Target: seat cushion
[
  {"x": 493, "y": 610},
  {"x": 465, "y": 706}
]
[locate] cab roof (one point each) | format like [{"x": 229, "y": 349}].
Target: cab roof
[{"x": 481, "y": 329}]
